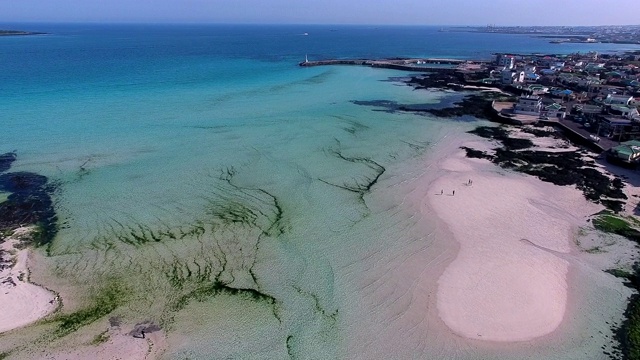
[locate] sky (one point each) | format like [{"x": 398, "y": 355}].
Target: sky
[{"x": 379, "y": 12}]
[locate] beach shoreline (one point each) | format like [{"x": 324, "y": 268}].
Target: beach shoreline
[{"x": 21, "y": 301}]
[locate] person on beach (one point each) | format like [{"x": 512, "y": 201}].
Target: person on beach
[
  {"x": 453, "y": 193},
  {"x": 441, "y": 191}
]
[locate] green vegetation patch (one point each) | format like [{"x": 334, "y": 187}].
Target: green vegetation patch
[
  {"x": 206, "y": 291},
  {"x": 101, "y": 338},
  {"x": 103, "y": 303},
  {"x": 619, "y": 273},
  {"x": 616, "y": 225},
  {"x": 629, "y": 333}
]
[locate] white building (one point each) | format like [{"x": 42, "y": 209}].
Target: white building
[
  {"x": 506, "y": 61},
  {"x": 615, "y": 99},
  {"x": 555, "y": 111},
  {"x": 528, "y": 105},
  {"x": 510, "y": 77}
]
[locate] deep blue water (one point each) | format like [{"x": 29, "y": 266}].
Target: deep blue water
[
  {"x": 80, "y": 56},
  {"x": 96, "y": 51}
]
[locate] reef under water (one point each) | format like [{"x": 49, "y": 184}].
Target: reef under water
[{"x": 28, "y": 202}]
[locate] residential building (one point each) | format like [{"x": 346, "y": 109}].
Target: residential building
[
  {"x": 506, "y": 61},
  {"x": 528, "y": 105},
  {"x": 628, "y": 152},
  {"x": 594, "y": 67},
  {"x": 531, "y": 77},
  {"x": 623, "y": 111},
  {"x": 510, "y": 77},
  {"x": 537, "y": 89},
  {"x": 615, "y": 99},
  {"x": 618, "y": 128},
  {"x": 589, "y": 81},
  {"x": 555, "y": 111}
]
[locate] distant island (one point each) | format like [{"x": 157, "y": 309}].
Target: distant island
[{"x": 18, "y": 33}]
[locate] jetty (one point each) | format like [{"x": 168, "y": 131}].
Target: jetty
[{"x": 406, "y": 64}]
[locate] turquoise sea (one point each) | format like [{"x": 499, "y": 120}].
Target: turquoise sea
[{"x": 244, "y": 204}]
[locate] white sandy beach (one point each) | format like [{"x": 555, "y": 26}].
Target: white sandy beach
[
  {"x": 22, "y": 302},
  {"x": 509, "y": 280}
]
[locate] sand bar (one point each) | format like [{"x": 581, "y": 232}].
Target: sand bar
[{"x": 509, "y": 279}]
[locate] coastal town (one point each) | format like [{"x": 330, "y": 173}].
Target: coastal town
[{"x": 594, "y": 97}]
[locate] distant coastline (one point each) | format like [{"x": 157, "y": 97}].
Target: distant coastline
[
  {"x": 563, "y": 34},
  {"x": 19, "y": 33}
]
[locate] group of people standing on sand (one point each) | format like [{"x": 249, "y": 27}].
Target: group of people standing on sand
[{"x": 453, "y": 192}]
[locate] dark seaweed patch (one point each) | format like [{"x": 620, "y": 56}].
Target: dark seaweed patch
[
  {"x": 476, "y": 154},
  {"x": 289, "y": 344},
  {"x": 206, "y": 291},
  {"x": 383, "y": 105},
  {"x": 491, "y": 132},
  {"x": 29, "y": 203},
  {"x": 354, "y": 127},
  {"x": 233, "y": 210},
  {"x": 104, "y": 302},
  {"x": 361, "y": 186},
  {"x": 332, "y": 316},
  {"x": 476, "y": 105},
  {"x": 6, "y": 160},
  {"x": 466, "y": 107}
]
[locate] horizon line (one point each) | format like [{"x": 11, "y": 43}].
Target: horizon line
[{"x": 53, "y": 22}]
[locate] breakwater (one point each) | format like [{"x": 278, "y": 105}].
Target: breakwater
[{"x": 403, "y": 64}]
